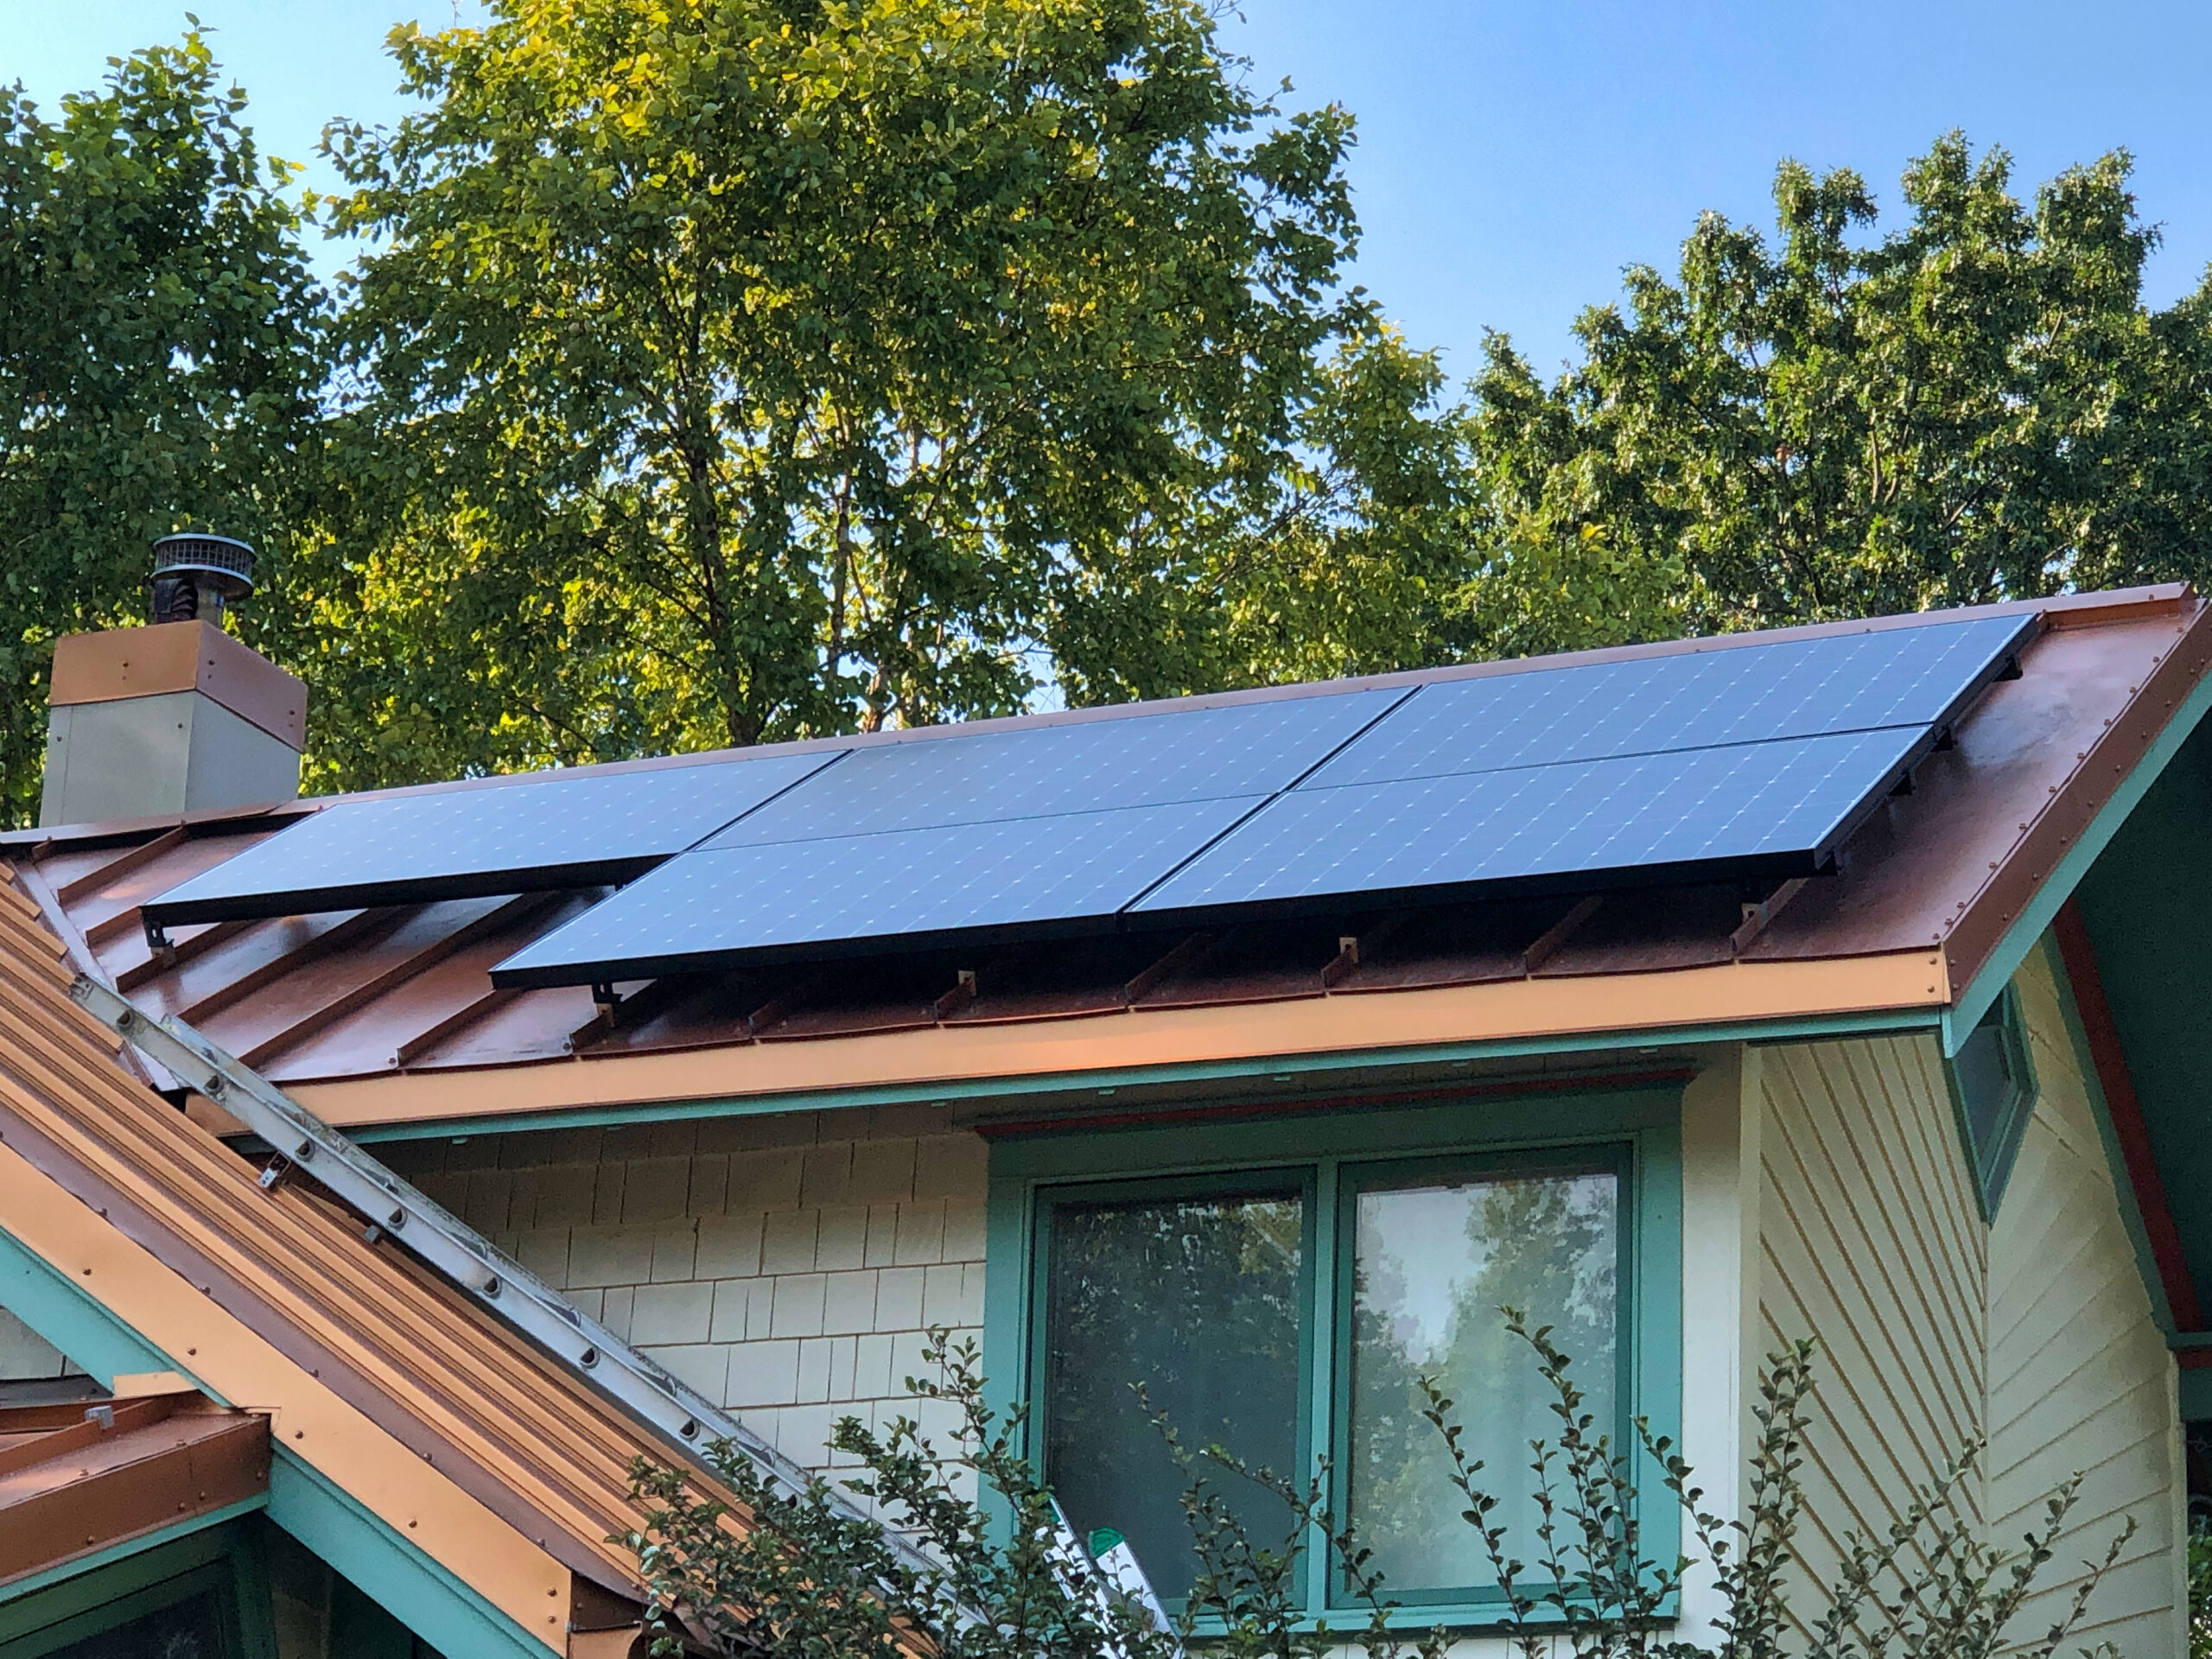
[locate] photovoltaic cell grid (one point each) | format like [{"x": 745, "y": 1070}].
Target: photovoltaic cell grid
[
  {"x": 907, "y": 889},
  {"x": 1914, "y": 676},
  {"x": 1045, "y": 829},
  {"x": 1756, "y": 756},
  {"x": 510, "y": 837},
  {"x": 1750, "y": 756},
  {"x": 1251, "y": 749},
  {"x": 1658, "y": 813}
]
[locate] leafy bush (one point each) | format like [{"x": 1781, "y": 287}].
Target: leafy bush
[{"x": 765, "y": 1572}]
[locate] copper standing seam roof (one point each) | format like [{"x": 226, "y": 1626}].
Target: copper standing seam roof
[
  {"x": 77, "y": 1478},
  {"x": 379, "y": 1375},
  {"x": 387, "y": 1015}
]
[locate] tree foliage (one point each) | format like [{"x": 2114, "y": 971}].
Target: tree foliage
[
  {"x": 1974, "y": 406},
  {"x": 160, "y": 355},
  {"x": 739, "y": 369},
  {"x": 731, "y": 370}
]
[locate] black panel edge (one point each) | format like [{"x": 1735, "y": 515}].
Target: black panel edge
[
  {"x": 384, "y": 895},
  {"x": 882, "y": 944},
  {"x": 1758, "y": 874}
]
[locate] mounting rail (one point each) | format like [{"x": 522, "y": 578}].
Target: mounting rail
[{"x": 394, "y": 1210}]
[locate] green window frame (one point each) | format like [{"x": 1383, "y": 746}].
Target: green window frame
[
  {"x": 1632, "y": 1131},
  {"x": 1993, "y": 1093},
  {"x": 220, "y": 1564}
]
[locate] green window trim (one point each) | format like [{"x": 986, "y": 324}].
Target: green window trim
[
  {"x": 1635, "y": 1130},
  {"x": 1993, "y": 1090}
]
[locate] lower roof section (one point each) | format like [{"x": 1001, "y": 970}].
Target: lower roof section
[{"x": 77, "y": 1481}]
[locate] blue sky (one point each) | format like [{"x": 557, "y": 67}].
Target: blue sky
[{"x": 1514, "y": 154}]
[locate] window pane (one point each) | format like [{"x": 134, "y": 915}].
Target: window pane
[
  {"x": 1986, "y": 1082},
  {"x": 187, "y": 1630},
  {"x": 1198, "y": 1299},
  {"x": 1432, "y": 1264}
]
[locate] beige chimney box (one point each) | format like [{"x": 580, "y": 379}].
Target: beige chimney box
[{"x": 177, "y": 717}]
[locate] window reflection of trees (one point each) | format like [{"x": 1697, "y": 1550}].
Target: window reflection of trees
[
  {"x": 1200, "y": 1301},
  {"x": 1548, "y": 1245}
]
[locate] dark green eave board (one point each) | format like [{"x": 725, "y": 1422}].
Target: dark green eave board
[{"x": 2146, "y": 904}]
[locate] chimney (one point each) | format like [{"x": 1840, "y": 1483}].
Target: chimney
[{"x": 176, "y": 716}]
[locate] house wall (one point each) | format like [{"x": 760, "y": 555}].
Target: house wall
[
  {"x": 787, "y": 1266},
  {"x": 1871, "y": 1241},
  {"x": 27, "y": 1357},
  {"x": 2080, "y": 1377}
]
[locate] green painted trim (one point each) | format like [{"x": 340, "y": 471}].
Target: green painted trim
[
  {"x": 1993, "y": 1164},
  {"x": 1643, "y": 1123},
  {"x": 225, "y": 1560},
  {"x": 2123, "y": 1184},
  {"x": 68, "y": 1316},
  {"x": 420, "y": 1592},
  {"x": 90, "y": 1587},
  {"x": 160, "y": 1538},
  {"x": 2036, "y": 916},
  {"x": 437, "y": 1606},
  {"x": 1096, "y": 1083}
]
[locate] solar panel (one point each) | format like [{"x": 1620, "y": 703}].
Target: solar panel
[
  {"x": 907, "y": 889},
  {"x": 1916, "y": 676},
  {"x": 1183, "y": 754},
  {"x": 1778, "y": 806},
  {"x": 511, "y": 837},
  {"x": 1742, "y": 760}
]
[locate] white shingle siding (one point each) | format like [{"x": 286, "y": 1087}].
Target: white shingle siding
[{"x": 789, "y": 1267}]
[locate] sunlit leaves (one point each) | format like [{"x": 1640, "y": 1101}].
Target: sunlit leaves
[{"x": 159, "y": 356}]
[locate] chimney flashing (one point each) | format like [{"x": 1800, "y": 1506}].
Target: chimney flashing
[{"x": 169, "y": 657}]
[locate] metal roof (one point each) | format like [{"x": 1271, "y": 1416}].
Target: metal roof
[
  {"x": 381, "y": 1376},
  {"x": 339, "y": 1003}
]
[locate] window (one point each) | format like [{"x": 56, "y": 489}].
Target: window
[
  {"x": 1993, "y": 1088},
  {"x": 1279, "y": 1288}
]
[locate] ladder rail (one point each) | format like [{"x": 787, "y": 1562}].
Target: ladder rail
[{"x": 494, "y": 1280}]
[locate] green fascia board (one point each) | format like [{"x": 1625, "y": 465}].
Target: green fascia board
[
  {"x": 438, "y": 1607},
  {"x": 91, "y": 1599},
  {"x": 2042, "y": 908},
  {"x": 68, "y": 1316},
  {"x": 1095, "y": 1085},
  {"x": 145, "y": 1543}
]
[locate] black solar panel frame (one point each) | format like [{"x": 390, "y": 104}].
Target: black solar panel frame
[
  {"x": 1757, "y": 874},
  {"x": 1103, "y": 922},
  {"x": 387, "y": 893}
]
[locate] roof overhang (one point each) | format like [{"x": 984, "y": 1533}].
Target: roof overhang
[{"x": 1307, "y": 1036}]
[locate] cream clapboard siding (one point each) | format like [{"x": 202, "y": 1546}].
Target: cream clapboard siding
[
  {"x": 2080, "y": 1378},
  {"x": 1871, "y": 1243}
]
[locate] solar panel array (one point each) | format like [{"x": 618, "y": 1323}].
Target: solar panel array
[
  {"x": 533, "y": 832},
  {"x": 1748, "y": 759},
  {"x": 1055, "y": 828}
]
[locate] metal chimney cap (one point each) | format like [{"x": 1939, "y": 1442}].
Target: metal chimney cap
[{"x": 221, "y": 564}]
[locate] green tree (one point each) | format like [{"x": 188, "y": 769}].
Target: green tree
[
  {"x": 160, "y": 356},
  {"x": 1975, "y": 405},
  {"x": 737, "y": 369}
]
